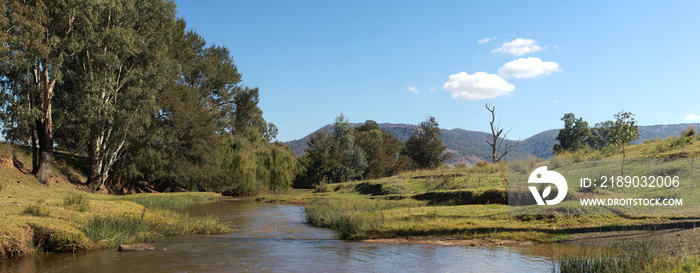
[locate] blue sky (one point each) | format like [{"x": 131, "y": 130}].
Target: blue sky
[{"x": 400, "y": 61}]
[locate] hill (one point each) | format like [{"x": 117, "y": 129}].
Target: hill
[{"x": 469, "y": 147}]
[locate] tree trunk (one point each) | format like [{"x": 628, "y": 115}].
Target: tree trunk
[
  {"x": 96, "y": 161},
  {"x": 45, "y": 136},
  {"x": 622, "y": 170},
  {"x": 44, "y": 129},
  {"x": 35, "y": 153}
]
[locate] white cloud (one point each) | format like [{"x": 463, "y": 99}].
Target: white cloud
[
  {"x": 692, "y": 117},
  {"x": 413, "y": 89},
  {"x": 432, "y": 89},
  {"x": 518, "y": 47},
  {"x": 555, "y": 101},
  {"x": 477, "y": 86},
  {"x": 486, "y": 40},
  {"x": 530, "y": 67}
]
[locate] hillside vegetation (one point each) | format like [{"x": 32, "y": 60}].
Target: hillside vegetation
[{"x": 469, "y": 147}]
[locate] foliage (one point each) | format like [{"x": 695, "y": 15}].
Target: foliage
[
  {"x": 623, "y": 132},
  {"x": 381, "y": 149},
  {"x": 352, "y": 158},
  {"x": 600, "y": 135},
  {"x": 319, "y": 162},
  {"x": 39, "y": 36},
  {"x": 254, "y": 165},
  {"x": 424, "y": 147},
  {"x": 574, "y": 136}
]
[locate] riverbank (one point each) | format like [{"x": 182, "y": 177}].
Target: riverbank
[
  {"x": 61, "y": 218},
  {"x": 468, "y": 207}
]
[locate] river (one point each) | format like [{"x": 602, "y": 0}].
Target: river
[{"x": 274, "y": 238}]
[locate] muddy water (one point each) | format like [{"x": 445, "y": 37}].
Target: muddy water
[{"x": 274, "y": 238}]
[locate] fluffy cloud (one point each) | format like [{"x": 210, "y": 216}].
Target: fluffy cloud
[
  {"x": 518, "y": 47},
  {"x": 692, "y": 117},
  {"x": 527, "y": 68},
  {"x": 486, "y": 40},
  {"x": 413, "y": 89},
  {"x": 477, "y": 86}
]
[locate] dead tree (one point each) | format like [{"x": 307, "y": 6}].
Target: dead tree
[{"x": 498, "y": 148}]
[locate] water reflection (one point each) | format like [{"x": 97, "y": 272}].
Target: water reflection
[{"x": 274, "y": 238}]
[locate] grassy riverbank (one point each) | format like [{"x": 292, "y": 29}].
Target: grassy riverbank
[
  {"x": 448, "y": 203},
  {"x": 59, "y": 217},
  {"x": 454, "y": 204}
]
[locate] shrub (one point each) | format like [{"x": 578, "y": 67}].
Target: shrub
[
  {"x": 321, "y": 186},
  {"x": 690, "y": 131},
  {"x": 481, "y": 164}
]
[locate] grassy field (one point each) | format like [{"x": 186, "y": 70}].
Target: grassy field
[
  {"x": 59, "y": 217},
  {"x": 471, "y": 204}
]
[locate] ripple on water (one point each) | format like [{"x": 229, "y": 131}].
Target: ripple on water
[{"x": 274, "y": 238}]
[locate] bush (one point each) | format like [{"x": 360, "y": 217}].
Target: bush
[
  {"x": 481, "y": 164},
  {"x": 690, "y": 131}
]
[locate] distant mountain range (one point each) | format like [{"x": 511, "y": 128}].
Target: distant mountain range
[{"x": 469, "y": 147}]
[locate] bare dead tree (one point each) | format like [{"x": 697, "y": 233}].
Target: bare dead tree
[{"x": 498, "y": 148}]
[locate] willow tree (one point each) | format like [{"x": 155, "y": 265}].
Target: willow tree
[
  {"x": 121, "y": 64},
  {"x": 39, "y": 36}
]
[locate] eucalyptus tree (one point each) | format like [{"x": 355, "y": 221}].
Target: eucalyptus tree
[
  {"x": 114, "y": 76},
  {"x": 624, "y": 131},
  {"x": 39, "y": 36},
  {"x": 424, "y": 147}
]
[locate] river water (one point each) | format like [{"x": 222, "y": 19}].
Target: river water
[{"x": 274, "y": 238}]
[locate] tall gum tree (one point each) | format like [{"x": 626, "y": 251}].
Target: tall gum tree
[
  {"x": 39, "y": 35},
  {"x": 121, "y": 64}
]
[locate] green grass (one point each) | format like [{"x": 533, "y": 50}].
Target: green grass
[
  {"x": 76, "y": 201},
  {"x": 452, "y": 203},
  {"x": 639, "y": 260},
  {"x": 110, "y": 231},
  {"x": 35, "y": 210},
  {"x": 59, "y": 217},
  {"x": 170, "y": 200}
]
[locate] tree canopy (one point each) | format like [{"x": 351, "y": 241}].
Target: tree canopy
[
  {"x": 146, "y": 100},
  {"x": 424, "y": 148}
]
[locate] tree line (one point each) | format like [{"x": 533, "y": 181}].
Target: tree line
[
  {"x": 145, "y": 99},
  {"x": 347, "y": 153},
  {"x": 149, "y": 104},
  {"x": 578, "y": 135}
]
